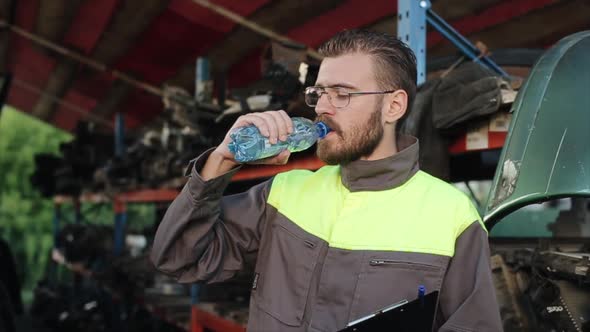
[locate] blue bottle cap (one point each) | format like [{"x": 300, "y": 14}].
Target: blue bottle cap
[{"x": 323, "y": 129}]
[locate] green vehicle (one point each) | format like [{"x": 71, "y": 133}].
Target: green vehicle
[{"x": 538, "y": 210}]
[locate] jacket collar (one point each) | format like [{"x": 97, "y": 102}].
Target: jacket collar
[{"x": 383, "y": 174}]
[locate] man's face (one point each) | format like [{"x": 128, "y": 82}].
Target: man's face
[{"x": 358, "y": 127}]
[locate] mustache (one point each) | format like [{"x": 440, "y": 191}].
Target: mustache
[{"x": 333, "y": 125}]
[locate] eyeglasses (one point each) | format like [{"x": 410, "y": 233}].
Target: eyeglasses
[{"x": 338, "y": 97}]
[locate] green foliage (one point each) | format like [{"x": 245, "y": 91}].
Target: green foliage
[{"x": 25, "y": 217}]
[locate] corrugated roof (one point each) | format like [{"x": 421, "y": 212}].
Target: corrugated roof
[{"x": 157, "y": 42}]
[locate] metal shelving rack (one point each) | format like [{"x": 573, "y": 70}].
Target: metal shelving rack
[
  {"x": 412, "y": 18},
  {"x": 200, "y": 318}
]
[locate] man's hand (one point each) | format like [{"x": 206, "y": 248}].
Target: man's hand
[{"x": 275, "y": 125}]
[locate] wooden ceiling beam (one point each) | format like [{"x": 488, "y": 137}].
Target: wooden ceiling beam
[
  {"x": 7, "y": 12},
  {"x": 61, "y": 77},
  {"x": 130, "y": 21},
  {"x": 495, "y": 15},
  {"x": 126, "y": 21},
  {"x": 118, "y": 91},
  {"x": 536, "y": 29},
  {"x": 447, "y": 9},
  {"x": 53, "y": 21},
  {"x": 279, "y": 16}
]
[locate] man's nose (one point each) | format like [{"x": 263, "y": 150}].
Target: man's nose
[{"x": 324, "y": 106}]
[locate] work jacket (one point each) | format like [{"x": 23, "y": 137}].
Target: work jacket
[{"x": 336, "y": 244}]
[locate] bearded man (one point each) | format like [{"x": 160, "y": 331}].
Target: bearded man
[{"x": 360, "y": 233}]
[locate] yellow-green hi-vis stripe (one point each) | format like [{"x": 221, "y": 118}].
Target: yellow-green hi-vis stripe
[{"x": 424, "y": 215}]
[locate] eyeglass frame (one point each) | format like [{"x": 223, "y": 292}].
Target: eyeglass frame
[{"x": 350, "y": 94}]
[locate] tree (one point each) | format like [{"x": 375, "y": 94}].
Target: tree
[{"x": 25, "y": 216}]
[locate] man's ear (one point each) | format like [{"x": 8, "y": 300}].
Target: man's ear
[{"x": 397, "y": 104}]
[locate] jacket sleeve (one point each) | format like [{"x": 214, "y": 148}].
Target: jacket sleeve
[
  {"x": 468, "y": 298},
  {"x": 203, "y": 235}
]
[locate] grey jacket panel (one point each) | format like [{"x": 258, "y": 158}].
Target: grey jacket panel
[
  {"x": 468, "y": 299},
  {"x": 369, "y": 280},
  {"x": 303, "y": 284},
  {"x": 203, "y": 237},
  {"x": 288, "y": 263}
]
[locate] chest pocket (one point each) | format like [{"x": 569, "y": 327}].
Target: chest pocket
[
  {"x": 285, "y": 267},
  {"x": 389, "y": 278}
]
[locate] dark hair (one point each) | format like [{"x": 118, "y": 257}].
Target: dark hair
[{"x": 395, "y": 62}]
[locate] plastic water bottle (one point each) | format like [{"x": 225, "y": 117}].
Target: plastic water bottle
[{"x": 247, "y": 144}]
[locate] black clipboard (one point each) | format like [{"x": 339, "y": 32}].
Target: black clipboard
[{"x": 415, "y": 316}]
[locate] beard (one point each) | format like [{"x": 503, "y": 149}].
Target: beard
[{"x": 358, "y": 141}]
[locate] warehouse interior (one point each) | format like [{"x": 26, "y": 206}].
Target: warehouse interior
[{"x": 142, "y": 87}]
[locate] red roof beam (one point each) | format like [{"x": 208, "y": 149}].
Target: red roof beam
[
  {"x": 494, "y": 15},
  {"x": 199, "y": 15},
  {"x": 351, "y": 14}
]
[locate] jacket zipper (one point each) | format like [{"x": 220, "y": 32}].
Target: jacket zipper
[{"x": 381, "y": 262}]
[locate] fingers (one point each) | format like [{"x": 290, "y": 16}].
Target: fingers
[
  {"x": 266, "y": 125},
  {"x": 275, "y": 125},
  {"x": 285, "y": 124},
  {"x": 253, "y": 119},
  {"x": 279, "y": 123},
  {"x": 283, "y": 157},
  {"x": 280, "y": 159}
]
